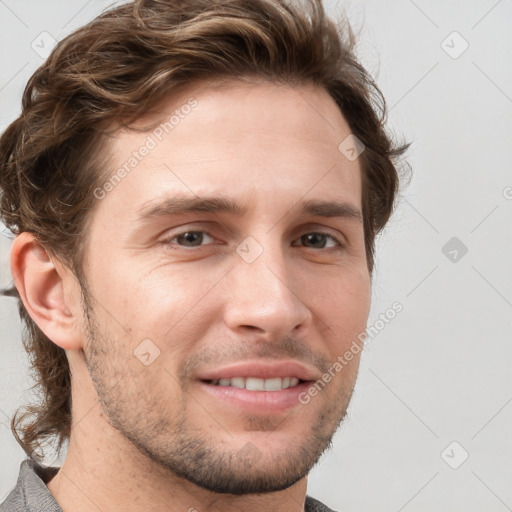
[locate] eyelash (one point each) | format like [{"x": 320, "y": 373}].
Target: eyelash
[{"x": 340, "y": 245}]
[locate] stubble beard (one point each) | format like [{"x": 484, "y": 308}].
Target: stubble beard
[{"x": 187, "y": 451}]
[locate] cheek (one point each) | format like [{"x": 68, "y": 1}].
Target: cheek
[
  {"x": 172, "y": 308},
  {"x": 344, "y": 305},
  {"x": 354, "y": 300},
  {"x": 347, "y": 315},
  {"x": 136, "y": 293}
]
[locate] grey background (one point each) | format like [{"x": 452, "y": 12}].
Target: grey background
[{"x": 440, "y": 371}]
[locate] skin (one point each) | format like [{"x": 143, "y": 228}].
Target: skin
[{"x": 269, "y": 147}]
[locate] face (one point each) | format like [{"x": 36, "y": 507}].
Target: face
[{"x": 227, "y": 274}]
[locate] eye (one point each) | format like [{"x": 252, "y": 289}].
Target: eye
[
  {"x": 318, "y": 240},
  {"x": 313, "y": 240},
  {"x": 189, "y": 238}
]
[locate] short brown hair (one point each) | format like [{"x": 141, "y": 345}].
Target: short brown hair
[{"x": 115, "y": 69}]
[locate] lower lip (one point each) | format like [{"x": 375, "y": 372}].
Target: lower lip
[{"x": 257, "y": 401}]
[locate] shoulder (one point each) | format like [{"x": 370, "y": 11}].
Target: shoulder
[
  {"x": 313, "y": 505},
  {"x": 30, "y": 493},
  {"x": 14, "y": 502}
]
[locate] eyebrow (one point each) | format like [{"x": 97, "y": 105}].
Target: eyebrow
[{"x": 183, "y": 204}]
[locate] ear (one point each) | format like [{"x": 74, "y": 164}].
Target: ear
[{"x": 49, "y": 291}]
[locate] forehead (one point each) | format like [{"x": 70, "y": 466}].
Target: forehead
[{"x": 256, "y": 140}]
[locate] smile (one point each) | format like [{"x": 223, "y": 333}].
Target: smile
[{"x": 257, "y": 384}]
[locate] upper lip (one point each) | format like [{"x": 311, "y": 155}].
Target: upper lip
[{"x": 261, "y": 369}]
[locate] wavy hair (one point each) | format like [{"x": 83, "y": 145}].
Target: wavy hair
[{"x": 117, "y": 68}]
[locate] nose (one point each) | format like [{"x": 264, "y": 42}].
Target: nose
[{"x": 263, "y": 297}]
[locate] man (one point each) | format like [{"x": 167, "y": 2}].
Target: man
[{"x": 195, "y": 188}]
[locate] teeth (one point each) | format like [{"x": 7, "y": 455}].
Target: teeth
[
  {"x": 273, "y": 384},
  {"x": 237, "y": 382},
  {"x": 255, "y": 384}
]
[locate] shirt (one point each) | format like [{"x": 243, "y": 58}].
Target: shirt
[{"x": 32, "y": 495}]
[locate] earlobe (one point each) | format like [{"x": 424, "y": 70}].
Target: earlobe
[{"x": 42, "y": 284}]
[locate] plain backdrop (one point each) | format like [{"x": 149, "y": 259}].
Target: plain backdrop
[{"x": 429, "y": 424}]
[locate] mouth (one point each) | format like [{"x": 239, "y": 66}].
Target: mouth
[
  {"x": 258, "y": 387},
  {"x": 257, "y": 384}
]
